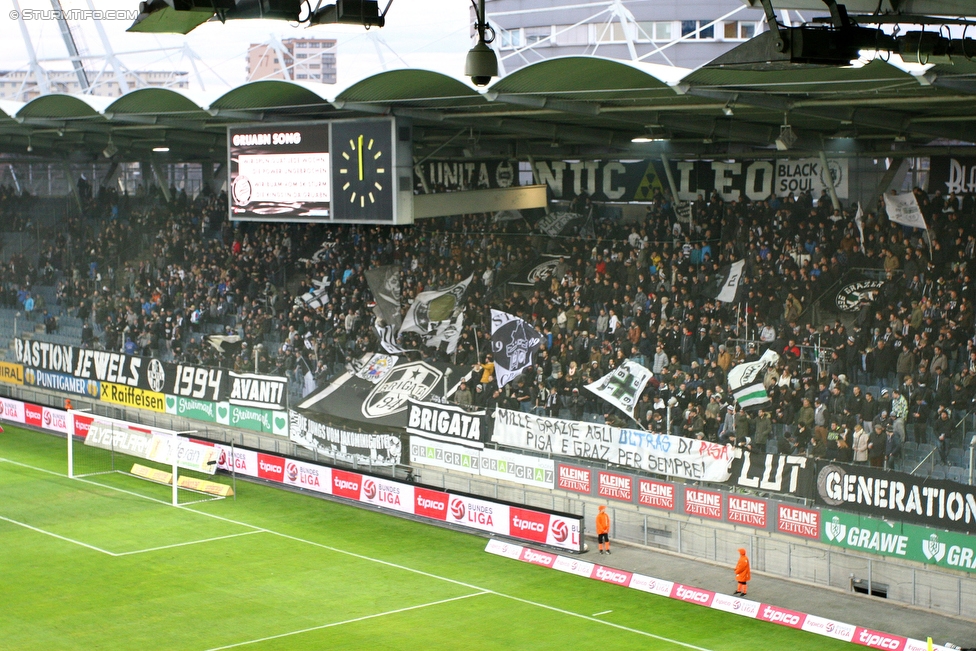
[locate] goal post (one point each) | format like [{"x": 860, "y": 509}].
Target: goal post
[{"x": 99, "y": 445}]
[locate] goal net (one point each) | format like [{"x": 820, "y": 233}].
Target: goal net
[{"x": 168, "y": 466}]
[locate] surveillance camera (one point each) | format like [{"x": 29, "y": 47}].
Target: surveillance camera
[{"x": 481, "y": 64}]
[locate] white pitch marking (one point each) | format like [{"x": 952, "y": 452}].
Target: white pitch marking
[
  {"x": 396, "y": 566},
  {"x": 184, "y": 544},
  {"x": 350, "y": 621},
  {"x": 54, "y": 535},
  {"x": 605, "y": 612}
]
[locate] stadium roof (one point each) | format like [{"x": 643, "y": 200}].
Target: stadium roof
[{"x": 568, "y": 106}]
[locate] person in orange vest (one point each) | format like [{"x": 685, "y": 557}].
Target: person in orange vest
[
  {"x": 67, "y": 404},
  {"x": 603, "y": 529},
  {"x": 742, "y": 574}
]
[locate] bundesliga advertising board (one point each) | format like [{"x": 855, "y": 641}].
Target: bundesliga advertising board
[
  {"x": 736, "y": 605},
  {"x": 280, "y": 173},
  {"x": 528, "y": 524}
]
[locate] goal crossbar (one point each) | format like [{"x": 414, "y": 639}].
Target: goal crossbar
[{"x": 162, "y": 446}]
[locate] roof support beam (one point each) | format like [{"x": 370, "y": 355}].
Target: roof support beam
[{"x": 535, "y": 101}]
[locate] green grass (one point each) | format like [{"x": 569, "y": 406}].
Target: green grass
[{"x": 276, "y": 570}]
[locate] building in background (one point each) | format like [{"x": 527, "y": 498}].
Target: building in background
[
  {"x": 683, "y": 33},
  {"x": 302, "y": 59},
  {"x": 20, "y": 85}
]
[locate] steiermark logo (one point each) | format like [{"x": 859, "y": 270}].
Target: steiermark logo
[
  {"x": 170, "y": 405},
  {"x": 933, "y": 549},
  {"x": 835, "y": 530}
]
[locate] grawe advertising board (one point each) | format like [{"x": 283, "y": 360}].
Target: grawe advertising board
[
  {"x": 699, "y": 596},
  {"x": 532, "y": 525},
  {"x": 901, "y": 540},
  {"x": 661, "y": 454}
]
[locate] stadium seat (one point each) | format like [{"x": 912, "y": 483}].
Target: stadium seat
[
  {"x": 874, "y": 390},
  {"x": 909, "y": 447},
  {"x": 956, "y": 473},
  {"x": 938, "y": 473},
  {"x": 924, "y": 449},
  {"x": 958, "y": 457}
]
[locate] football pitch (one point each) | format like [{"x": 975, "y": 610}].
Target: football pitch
[{"x": 106, "y": 563}]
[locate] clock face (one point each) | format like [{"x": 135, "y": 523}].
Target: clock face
[{"x": 362, "y": 164}]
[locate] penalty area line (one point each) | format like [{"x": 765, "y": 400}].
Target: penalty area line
[
  {"x": 350, "y": 621},
  {"x": 184, "y": 544},
  {"x": 54, "y": 535}
]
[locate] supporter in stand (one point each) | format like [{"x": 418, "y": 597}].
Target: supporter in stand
[{"x": 155, "y": 277}]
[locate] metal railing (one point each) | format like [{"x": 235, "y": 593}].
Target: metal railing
[{"x": 943, "y": 591}]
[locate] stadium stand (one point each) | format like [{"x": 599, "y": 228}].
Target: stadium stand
[{"x": 138, "y": 275}]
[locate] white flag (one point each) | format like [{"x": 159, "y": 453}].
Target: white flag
[
  {"x": 622, "y": 386},
  {"x": 902, "y": 208},
  {"x": 859, "y": 222}
]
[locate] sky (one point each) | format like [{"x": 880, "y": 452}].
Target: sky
[{"x": 430, "y": 34}]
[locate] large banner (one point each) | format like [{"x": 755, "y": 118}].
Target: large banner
[
  {"x": 80, "y": 370},
  {"x": 953, "y": 175},
  {"x": 351, "y": 400},
  {"x": 946, "y": 549},
  {"x": 777, "y": 473},
  {"x": 661, "y": 454},
  {"x": 639, "y": 180},
  {"x": 343, "y": 445},
  {"x": 522, "y": 523},
  {"x": 897, "y": 496},
  {"x": 447, "y": 423},
  {"x": 506, "y": 466}
]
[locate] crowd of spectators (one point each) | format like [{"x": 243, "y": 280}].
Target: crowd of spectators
[{"x": 153, "y": 278}]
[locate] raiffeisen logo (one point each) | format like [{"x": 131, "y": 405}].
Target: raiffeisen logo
[{"x": 527, "y": 525}]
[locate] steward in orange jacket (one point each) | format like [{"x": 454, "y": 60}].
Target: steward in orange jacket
[
  {"x": 603, "y": 529},
  {"x": 743, "y": 573}
]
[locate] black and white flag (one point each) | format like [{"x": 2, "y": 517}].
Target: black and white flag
[
  {"x": 225, "y": 344},
  {"x": 682, "y": 211},
  {"x": 622, "y": 386},
  {"x": 384, "y": 283},
  {"x": 429, "y": 308},
  {"x": 318, "y": 295},
  {"x": 513, "y": 344},
  {"x": 388, "y": 340},
  {"x": 445, "y": 332},
  {"x": 746, "y": 381},
  {"x": 725, "y": 284}
]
